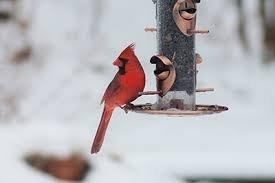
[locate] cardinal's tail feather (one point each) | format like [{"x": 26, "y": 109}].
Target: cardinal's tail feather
[{"x": 100, "y": 133}]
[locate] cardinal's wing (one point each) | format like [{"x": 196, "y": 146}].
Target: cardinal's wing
[{"x": 113, "y": 89}]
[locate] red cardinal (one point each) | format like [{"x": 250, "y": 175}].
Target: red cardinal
[{"x": 123, "y": 89}]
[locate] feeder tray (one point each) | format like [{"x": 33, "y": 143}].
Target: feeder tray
[{"x": 200, "y": 110}]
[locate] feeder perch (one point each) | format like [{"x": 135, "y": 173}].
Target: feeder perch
[{"x": 176, "y": 62}]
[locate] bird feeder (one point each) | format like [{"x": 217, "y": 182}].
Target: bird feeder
[{"x": 176, "y": 62}]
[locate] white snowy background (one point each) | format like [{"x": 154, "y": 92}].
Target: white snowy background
[{"x": 50, "y": 103}]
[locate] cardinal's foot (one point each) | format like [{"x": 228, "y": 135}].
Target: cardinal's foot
[{"x": 128, "y": 107}]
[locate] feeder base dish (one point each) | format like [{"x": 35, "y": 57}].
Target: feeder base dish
[{"x": 200, "y": 110}]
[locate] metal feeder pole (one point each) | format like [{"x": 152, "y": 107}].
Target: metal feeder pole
[{"x": 180, "y": 49}]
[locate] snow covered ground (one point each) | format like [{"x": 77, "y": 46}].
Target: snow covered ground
[{"x": 58, "y": 93}]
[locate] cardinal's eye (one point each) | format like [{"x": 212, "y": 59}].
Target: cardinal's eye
[{"x": 123, "y": 60}]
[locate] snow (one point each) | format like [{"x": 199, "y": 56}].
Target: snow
[{"x": 58, "y": 92}]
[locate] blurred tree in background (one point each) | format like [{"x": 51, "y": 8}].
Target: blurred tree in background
[
  {"x": 242, "y": 22},
  {"x": 266, "y": 11},
  {"x": 15, "y": 51}
]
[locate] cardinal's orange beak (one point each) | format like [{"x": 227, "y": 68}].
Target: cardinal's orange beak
[{"x": 118, "y": 63}]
